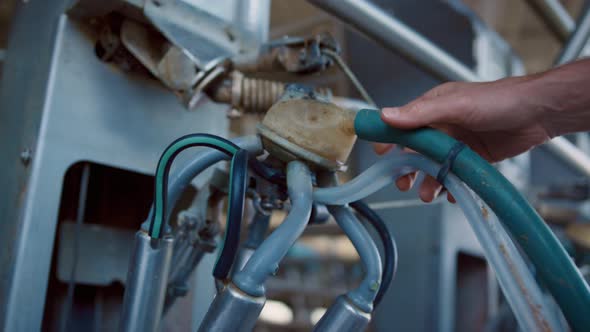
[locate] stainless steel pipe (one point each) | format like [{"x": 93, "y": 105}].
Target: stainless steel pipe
[
  {"x": 147, "y": 279},
  {"x": 571, "y": 154},
  {"x": 233, "y": 310},
  {"x": 343, "y": 316},
  {"x": 555, "y": 16},
  {"x": 578, "y": 39}
]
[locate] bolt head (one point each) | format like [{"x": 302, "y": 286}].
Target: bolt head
[{"x": 25, "y": 156}]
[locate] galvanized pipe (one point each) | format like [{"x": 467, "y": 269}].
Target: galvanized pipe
[
  {"x": 555, "y": 16},
  {"x": 568, "y": 152},
  {"x": 254, "y": 16},
  {"x": 578, "y": 39},
  {"x": 145, "y": 289},
  {"x": 398, "y": 37}
]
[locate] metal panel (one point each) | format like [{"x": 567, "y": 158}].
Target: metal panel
[
  {"x": 70, "y": 109},
  {"x": 99, "y": 264}
]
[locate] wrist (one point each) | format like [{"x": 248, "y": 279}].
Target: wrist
[
  {"x": 543, "y": 103},
  {"x": 559, "y": 99}
]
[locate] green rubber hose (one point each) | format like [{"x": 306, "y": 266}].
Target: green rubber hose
[
  {"x": 555, "y": 268},
  {"x": 163, "y": 169}
]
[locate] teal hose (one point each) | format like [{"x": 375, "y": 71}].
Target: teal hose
[{"x": 551, "y": 261}]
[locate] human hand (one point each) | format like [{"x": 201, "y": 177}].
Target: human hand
[{"x": 498, "y": 120}]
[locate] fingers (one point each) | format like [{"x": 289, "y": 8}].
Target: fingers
[
  {"x": 442, "y": 105},
  {"x": 382, "y": 148},
  {"x": 406, "y": 182},
  {"x": 450, "y": 198},
  {"x": 419, "y": 113},
  {"x": 444, "y": 89},
  {"x": 430, "y": 189}
]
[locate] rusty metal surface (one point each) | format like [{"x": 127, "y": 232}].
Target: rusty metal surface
[{"x": 292, "y": 54}]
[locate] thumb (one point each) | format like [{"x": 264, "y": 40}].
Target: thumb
[{"x": 419, "y": 113}]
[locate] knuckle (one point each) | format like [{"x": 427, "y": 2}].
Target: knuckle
[
  {"x": 464, "y": 101},
  {"x": 418, "y": 106},
  {"x": 442, "y": 89}
]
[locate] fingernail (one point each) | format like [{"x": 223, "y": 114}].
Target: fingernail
[
  {"x": 425, "y": 195},
  {"x": 451, "y": 199},
  {"x": 437, "y": 192},
  {"x": 392, "y": 112},
  {"x": 403, "y": 184}
]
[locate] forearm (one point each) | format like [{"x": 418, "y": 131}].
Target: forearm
[{"x": 561, "y": 98}]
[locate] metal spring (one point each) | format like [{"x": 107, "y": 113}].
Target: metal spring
[
  {"x": 252, "y": 95},
  {"x": 258, "y": 95}
]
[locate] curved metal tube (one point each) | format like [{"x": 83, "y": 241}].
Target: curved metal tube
[
  {"x": 181, "y": 179},
  {"x": 516, "y": 281},
  {"x": 364, "y": 295},
  {"x": 266, "y": 258}
]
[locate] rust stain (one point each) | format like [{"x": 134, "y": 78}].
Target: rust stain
[
  {"x": 485, "y": 213},
  {"x": 535, "y": 308}
]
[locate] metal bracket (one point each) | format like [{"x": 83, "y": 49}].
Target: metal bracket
[{"x": 204, "y": 36}]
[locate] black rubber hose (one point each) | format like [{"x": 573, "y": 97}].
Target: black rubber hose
[
  {"x": 238, "y": 184},
  {"x": 389, "y": 246}
]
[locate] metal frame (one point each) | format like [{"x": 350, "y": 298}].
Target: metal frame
[{"x": 59, "y": 107}]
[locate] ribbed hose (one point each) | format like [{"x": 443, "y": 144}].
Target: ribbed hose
[{"x": 553, "y": 264}]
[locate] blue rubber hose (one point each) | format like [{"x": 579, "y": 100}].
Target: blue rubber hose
[{"x": 555, "y": 268}]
